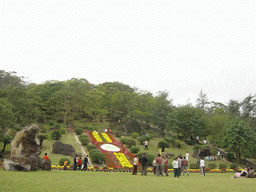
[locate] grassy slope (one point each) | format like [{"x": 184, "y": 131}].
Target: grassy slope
[{"x": 98, "y": 181}]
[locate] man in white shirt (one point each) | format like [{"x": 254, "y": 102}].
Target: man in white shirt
[
  {"x": 146, "y": 145},
  {"x": 187, "y": 156},
  {"x": 202, "y": 165},
  {"x": 175, "y": 167}
]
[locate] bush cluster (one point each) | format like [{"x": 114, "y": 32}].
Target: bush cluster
[
  {"x": 134, "y": 149},
  {"x": 212, "y": 165},
  {"x": 118, "y": 134},
  {"x": 233, "y": 165},
  {"x": 90, "y": 147},
  {"x": 97, "y": 157},
  {"x": 78, "y": 131},
  {"x": 56, "y": 135},
  {"x": 194, "y": 166},
  {"x": 93, "y": 151},
  {"x": 51, "y": 123},
  {"x": 190, "y": 142},
  {"x": 135, "y": 135},
  {"x": 222, "y": 165},
  {"x": 130, "y": 142},
  {"x": 61, "y": 161},
  {"x": 84, "y": 139}
]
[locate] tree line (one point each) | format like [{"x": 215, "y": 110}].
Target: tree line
[{"x": 129, "y": 109}]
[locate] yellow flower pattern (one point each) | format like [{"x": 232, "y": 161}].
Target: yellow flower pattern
[
  {"x": 96, "y": 136},
  {"x": 123, "y": 160},
  {"x": 105, "y": 136}
]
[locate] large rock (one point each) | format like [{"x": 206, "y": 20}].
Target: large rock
[
  {"x": 25, "y": 152},
  {"x": 64, "y": 149}
]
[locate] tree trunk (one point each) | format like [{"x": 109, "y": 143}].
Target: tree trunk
[
  {"x": 4, "y": 146},
  {"x": 163, "y": 149},
  {"x": 41, "y": 143},
  {"x": 65, "y": 116}
]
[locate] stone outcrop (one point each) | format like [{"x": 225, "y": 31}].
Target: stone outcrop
[
  {"x": 25, "y": 152},
  {"x": 64, "y": 149}
]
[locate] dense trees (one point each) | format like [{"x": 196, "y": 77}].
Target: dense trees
[{"x": 128, "y": 109}]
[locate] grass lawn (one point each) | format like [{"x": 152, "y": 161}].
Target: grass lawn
[
  {"x": 99, "y": 181},
  {"x": 68, "y": 138}
]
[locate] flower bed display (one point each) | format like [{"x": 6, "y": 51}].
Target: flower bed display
[{"x": 117, "y": 155}]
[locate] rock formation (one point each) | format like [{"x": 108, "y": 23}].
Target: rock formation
[
  {"x": 64, "y": 149},
  {"x": 25, "y": 152}
]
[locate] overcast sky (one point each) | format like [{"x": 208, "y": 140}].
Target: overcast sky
[{"x": 179, "y": 46}]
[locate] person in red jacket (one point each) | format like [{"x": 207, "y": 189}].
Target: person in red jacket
[
  {"x": 79, "y": 164},
  {"x": 46, "y": 157}
]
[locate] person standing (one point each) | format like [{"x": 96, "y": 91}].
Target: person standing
[
  {"x": 75, "y": 163},
  {"x": 85, "y": 163},
  {"x": 146, "y": 145},
  {"x": 143, "y": 160},
  {"x": 65, "y": 164},
  {"x": 205, "y": 141},
  {"x": 46, "y": 157},
  {"x": 197, "y": 139},
  {"x": 159, "y": 168},
  {"x": 185, "y": 166},
  {"x": 135, "y": 165},
  {"x": 79, "y": 164},
  {"x": 175, "y": 167},
  {"x": 218, "y": 154},
  {"x": 166, "y": 165},
  {"x": 187, "y": 156},
  {"x": 202, "y": 165},
  {"x": 179, "y": 165},
  {"x": 154, "y": 166}
]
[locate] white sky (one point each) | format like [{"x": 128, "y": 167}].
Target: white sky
[{"x": 181, "y": 46}]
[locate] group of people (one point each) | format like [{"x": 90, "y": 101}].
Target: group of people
[
  {"x": 178, "y": 163},
  {"x": 78, "y": 164},
  {"x": 248, "y": 172}
]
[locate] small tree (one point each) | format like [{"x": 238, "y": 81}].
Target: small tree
[
  {"x": 6, "y": 140},
  {"x": 98, "y": 157},
  {"x": 130, "y": 142},
  {"x": 135, "y": 135},
  {"x": 163, "y": 144},
  {"x": 41, "y": 138},
  {"x": 55, "y": 135},
  {"x": 134, "y": 149}
]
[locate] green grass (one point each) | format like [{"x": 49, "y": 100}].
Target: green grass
[
  {"x": 98, "y": 181},
  {"x": 68, "y": 138}
]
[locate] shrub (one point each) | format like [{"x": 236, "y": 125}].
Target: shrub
[
  {"x": 43, "y": 129},
  {"x": 78, "y": 131},
  {"x": 93, "y": 151},
  {"x": 90, "y": 147},
  {"x": 57, "y": 125},
  {"x": 141, "y": 139},
  {"x": 123, "y": 140},
  {"x": 196, "y": 147},
  {"x": 233, "y": 165},
  {"x": 203, "y": 147},
  {"x": 194, "y": 166},
  {"x": 135, "y": 135},
  {"x": 230, "y": 156},
  {"x": 130, "y": 142},
  {"x": 60, "y": 121},
  {"x": 150, "y": 157},
  {"x": 61, "y": 162},
  {"x": 63, "y": 131},
  {"x": 169, "y": 139},
  {"x": 222, "y": 165},
  {"x": 214, "y": 152},
  {"x": 134, "y": 149},
  {"x": 55, "y": 135},
  {"x": 97, "y": 157},
  {"x": 140, "y": 154},
  {"x": 163, "y": 144},
  {"x": 84, "y": 140},
  {"x": 212, "y": 165},
  {"x": 118, "y": 134},
  {"x": 51, "y": 123},
  {"x": 190, "y": 142}
]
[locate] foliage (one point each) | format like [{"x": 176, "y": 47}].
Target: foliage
[
  {"x": 222, "y": 165},
  {"x": 163, "y": 144},
  {"x": 84, "y": 140},
  {"x": 239, "y": 138},
  {"x": 203, "y": 147},
  {"x": 6, "y": 139},
  {"x": 6, "y": 114},
  {"x": 150, "y": 157},
  {"x": 51, "y": 123},
  {"x": 63, "y": 131},
  {"x": 118, "y": 133},
  {"x": 90, "y": 147},
  {"x": 194, "y": 166},
  {"x": 196, "y": 147},
  {"x": 230, "y": 156},
  {"x": 190, "y": 142},
  {"x": 97, "y": 157},
  {"x": 123, "y": 140},
  {"x": 169, "y": 139},
  {"x": 130, "y": 142},
  {"x": 78, "y": 131},
  {"x": 43, "y": 129},
  {"x": 56, "y": 135},
  {"x": 61, "y": 162},
  {"x": 135, "y": 135},
  {"x": 214, "y": 152},
  {"x": 212, "y": 165},
  {"x": 93, "y": 151},
  {"x": 233, "y": 165},
  {"x": 134, "y": 149}
]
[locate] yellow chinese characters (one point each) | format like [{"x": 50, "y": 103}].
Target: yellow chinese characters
[
  {"x": 96, "y": 136},
  {"x": 105, "y": 136},
  {"x": 123, "y": 160}
]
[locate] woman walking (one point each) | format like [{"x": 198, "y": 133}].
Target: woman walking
[{"x": 166, "y": 165}]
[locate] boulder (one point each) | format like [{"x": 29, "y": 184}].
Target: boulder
[
  {"x": 25, "y": 152},
  {"x": 64, "y": 149}
]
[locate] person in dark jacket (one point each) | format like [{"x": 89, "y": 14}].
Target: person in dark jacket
[
  {"x": 185, "y": 166},
  {"x": 143, "y": 162},
  {"x": 75, "y": 163},
  {"x": 85, "y": 163}
]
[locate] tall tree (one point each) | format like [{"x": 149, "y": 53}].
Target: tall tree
[
  {"x": 202, "y": 101},
  {"x": 7, "y": 119},
  {"x": 249, "y": 106},
  {"x": 233, "y": 108},
  {"x": 239, "y": 138}
]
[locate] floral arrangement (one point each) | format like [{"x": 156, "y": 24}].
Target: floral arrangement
[
  {"x": 123, "y": 160},
  {"x": 106, "y": 137},
  {"x": 97, "y": 137}
]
